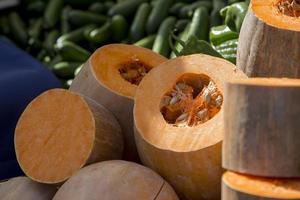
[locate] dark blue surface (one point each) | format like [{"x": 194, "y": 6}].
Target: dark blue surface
[{"x": 22, "y": 78}]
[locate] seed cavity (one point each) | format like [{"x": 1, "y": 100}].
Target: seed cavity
[
  {"x": 134, "y": 71},
  {"x": 193, "y": 100},
  {"x": 289, "y": 7}
]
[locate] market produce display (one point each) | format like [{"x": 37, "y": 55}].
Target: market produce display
[
  {"x": 154, "y": 82},
  {"x": 63, "y": 33},
  {"x": 178, "y": 119}
]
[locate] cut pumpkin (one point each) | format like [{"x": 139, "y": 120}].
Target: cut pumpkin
[
  {"x": 243, "y": 187},
  {"x": 269, "y": 39},
  {"x": 60, "y": 131},
  {"x": 262, "y": 127},
  {"x": 179, "y": 123},
  {"x": 110, "y": 77},
  {"x": 25, "y": 189},
  {"x": 114, "y": 180}
]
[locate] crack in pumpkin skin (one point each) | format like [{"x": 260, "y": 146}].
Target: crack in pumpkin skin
[
  {"x": 191, "y": 102},
  {"x": 134, "y": 71},
  {"x": 289, "y": 7}
]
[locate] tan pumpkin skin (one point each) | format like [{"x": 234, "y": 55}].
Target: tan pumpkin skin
[
  {"x": 188, "y": 158},
  {"x": 22, "y": 188},
  {"x": 267, "y": 51},
  {"x": 88, "y": 83},
  {"x": 262, "y": 127},
  {"x": 116, "y": 180},
  {"x": 243, "y": 187},
  {"x": 185, "y": 171},
  {"x": 77, "y": 132}
]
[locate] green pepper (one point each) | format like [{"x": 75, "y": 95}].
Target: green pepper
[
  {"x": 228, "y": 50},
  {"x": 215, "y": 17},
  {"x": 220, "y": 34},
  {"x": 234, "y": 15},
  {"x": 193, "y": 46}
]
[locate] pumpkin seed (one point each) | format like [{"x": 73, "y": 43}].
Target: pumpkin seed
[
  {"x": 202, "y": 114},
  {"x": 174, "y": 100}
]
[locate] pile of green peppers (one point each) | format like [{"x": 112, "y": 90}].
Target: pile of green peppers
[
  {"x": 223, "y": 38},
  {"x": 63, "y": 33}
]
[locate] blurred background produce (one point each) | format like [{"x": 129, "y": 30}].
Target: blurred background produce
[{"x": 62, "y": 34}]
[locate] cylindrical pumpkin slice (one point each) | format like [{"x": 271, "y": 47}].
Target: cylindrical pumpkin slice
[
  {"x": 116, "y": 180},
  {"x": 111, "y": 77},
  {"x": 269, "y": 39},
  {"x": 262, "y": 127},
  {"x": 61, "y": 131},
  {"x": 25, "y": 189},
  {"x": 244, "y": 187},
  {"x": 179, "y": 123}
]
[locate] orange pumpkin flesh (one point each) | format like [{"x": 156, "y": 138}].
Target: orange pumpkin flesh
[
  {"x": 244, "y": 187},
  {"x": 193, "y": 100},
  {"x": 103, "y": 80},
  {"x": 188, "y": 157},
  {"x": 278, "y": 13},
  {"x": 60, "y": 131}
]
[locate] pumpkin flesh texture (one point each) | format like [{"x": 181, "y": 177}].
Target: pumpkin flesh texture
[
  {"x": 244, "y": 187},
  {"x": 60, "y": 131}
]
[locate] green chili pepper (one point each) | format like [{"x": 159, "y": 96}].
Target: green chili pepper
[
  {"x": 220, "y": 34},
  {"x": 52, "y": 13},
  {"x": 4, "y": 25},
  {"x": 97, "y": 7},
  {"x": 215, "y": 17},
  {"x": 228, "y": 50},
  {"x": 188, "y": 10},
  {"x": 65, "y": 26},
  {"x": 234, "y": 15},
  {"x": 193, "y": 46},
  {"x": 18, "y": 28},
  {"x": 146, "y": 42}
]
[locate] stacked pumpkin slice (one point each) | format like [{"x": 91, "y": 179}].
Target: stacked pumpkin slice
[{"x": 261, "y": 142}]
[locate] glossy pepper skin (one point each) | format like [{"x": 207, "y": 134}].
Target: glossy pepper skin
[
  {"x": 228, "y": 50},
  {"x": 220, "y": 34},
  {"x": 234, "y": 15}
]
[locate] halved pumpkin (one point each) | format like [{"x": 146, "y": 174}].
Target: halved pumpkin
[
  {"x": 60, "y": 131},
  {"x": 262, "y": 127},
  {"x": 116, "y": 180},
  {"x": 269, "y": 39},
  {"x": 243, "y": 187},
  {"x": 111, "y": 77},
  {"x": 179, "y": 124},
  {"x": 25, "y": 189}
]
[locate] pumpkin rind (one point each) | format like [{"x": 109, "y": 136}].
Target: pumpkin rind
[
  {"x": 269, "y": 48},
  {"x": 115, "y": 180},
  {"x": 262, "y": 127}
]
